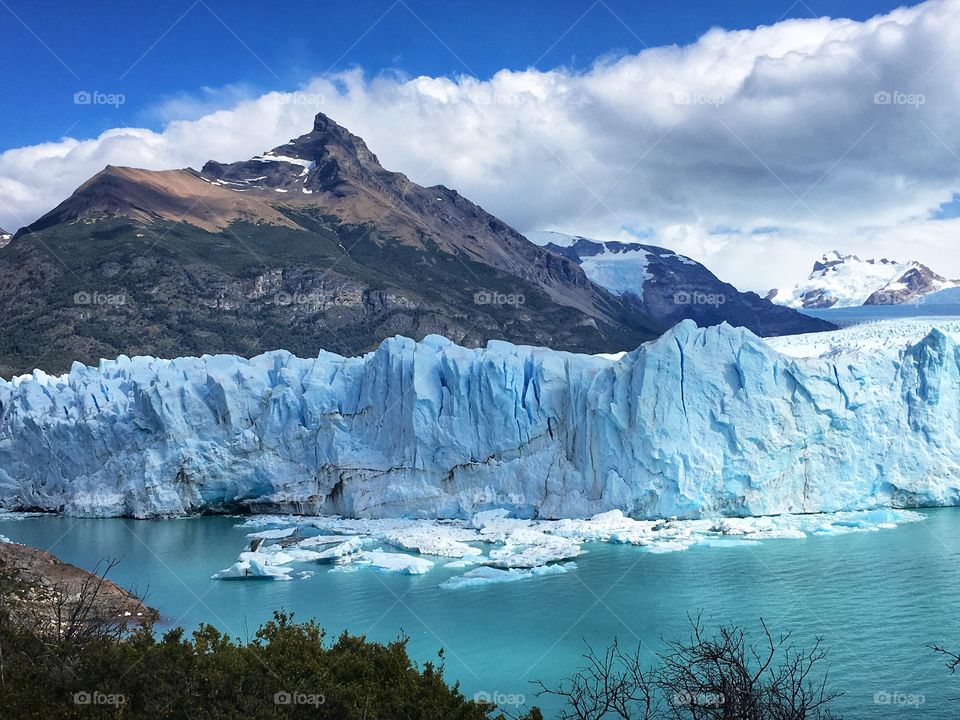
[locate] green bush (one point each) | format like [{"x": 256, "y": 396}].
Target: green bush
[{"x": 288, "y": 670}]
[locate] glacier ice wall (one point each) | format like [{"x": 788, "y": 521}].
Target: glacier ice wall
[{"x": 699, "y": 422}]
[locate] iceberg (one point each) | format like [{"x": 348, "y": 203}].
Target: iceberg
[
  {"x": 395, "y": 562},
  {"x": 338, "y": 552},
  {"x": 491, "y": 576},
  {"x": 272, "y": 534},
  {"x": 700, "y": 423},
  {"x": 253, "y": 569},
  {"x": 426, "y": 541}
]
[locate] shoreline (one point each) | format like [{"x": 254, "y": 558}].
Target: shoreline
[{"x": 42, "y": 592}]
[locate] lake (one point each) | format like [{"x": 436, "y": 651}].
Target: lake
[{"x": 877, "y": 599}]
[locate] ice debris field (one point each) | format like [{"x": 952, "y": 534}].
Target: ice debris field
[{"x": 495, "y": 548}]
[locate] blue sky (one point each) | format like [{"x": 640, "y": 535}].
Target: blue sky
[
  {"x": 152, "y": 52},
  {"x": 752, "y": 136}
]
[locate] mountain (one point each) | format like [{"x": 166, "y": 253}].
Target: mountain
[
  {"x": 839, "y": 280},
  {"x": 700, "y": 422},
  {"x": 4, "y": 237},
  {"x": 310, "y": 245},
  {"x": 670, "y": 287}
]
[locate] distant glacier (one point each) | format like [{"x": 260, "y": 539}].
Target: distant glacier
[{"x": 699, "y": 423}]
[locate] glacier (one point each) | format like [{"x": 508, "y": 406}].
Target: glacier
[{"x": 702, "y": 422}]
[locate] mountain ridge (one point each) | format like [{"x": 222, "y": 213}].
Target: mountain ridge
[
  {"x": 671, "y": 287},
  {"x": 310, "y": 245}
]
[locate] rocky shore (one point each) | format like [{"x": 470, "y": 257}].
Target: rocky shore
[{"x": 42, "y": 592}]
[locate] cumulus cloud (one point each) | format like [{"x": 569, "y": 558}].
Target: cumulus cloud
[{"x": 753, "y": 151}]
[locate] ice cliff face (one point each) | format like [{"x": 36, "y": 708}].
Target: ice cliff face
[{"x": 698, "y": 422}]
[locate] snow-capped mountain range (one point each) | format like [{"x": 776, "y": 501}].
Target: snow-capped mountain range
[
  {"x": 839, "y": 280},
  {"x": 670, "y": 287},
  {"x": 698, "y": 423}
]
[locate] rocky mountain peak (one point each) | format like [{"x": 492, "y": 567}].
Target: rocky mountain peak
[
  {"x": 329, "y": 158},
  {"x": 329, "y": 136}
]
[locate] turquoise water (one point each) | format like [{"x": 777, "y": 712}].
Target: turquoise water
[{"x": 877, "y": 599}]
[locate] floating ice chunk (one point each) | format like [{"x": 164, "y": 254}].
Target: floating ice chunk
[
  {"x": 271, "y": 555},
  {"x": 345, "y": 568},
  {"x": 666, "y": 546},
  {"x": 528, "y": 548},
  {"x": 490, "y": 576},
  {"x": 273, "y": 534},
  {"x": 252, "y": 569},
  {"x": 395, "y": 562},
  {"x": 462, "y": 563},
  {"x": 496, "y": 520},
  {"x": 297, "y": 554},
  {"x": 349, "y": 547},
  {"x": 319, "y": 540},
  {"x": 267, "y": 521},
  {"x": 728, "y": 542},
  {"x": 444, "y": 541}
]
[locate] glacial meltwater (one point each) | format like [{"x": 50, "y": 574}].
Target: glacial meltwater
[{"x": 878, "y": 599}]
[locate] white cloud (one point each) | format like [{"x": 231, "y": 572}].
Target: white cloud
[{"x": 837, "y": 133}]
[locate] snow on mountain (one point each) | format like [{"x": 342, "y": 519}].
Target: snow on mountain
[
  {"x": 4, "y": 237},
  {"x": 700, "y": 422},
  {"x": 847, "y": 281},
  {"x": 619, "y": 267},
  {"x": 671, "y": 287}
]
